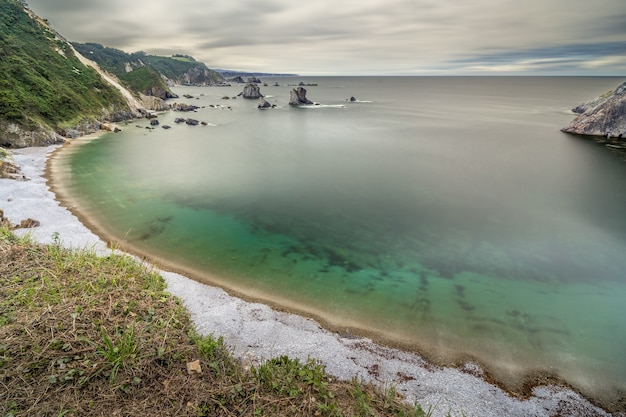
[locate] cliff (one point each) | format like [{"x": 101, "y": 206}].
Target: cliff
[
  {"x": 46, "y": 91},
  {"x": 603, "y": 116},
  {"x": 150, "y": 74}
]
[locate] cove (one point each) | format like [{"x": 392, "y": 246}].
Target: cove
[{"x": 447, "y": 216}]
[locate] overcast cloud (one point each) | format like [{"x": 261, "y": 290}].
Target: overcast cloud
[{"x": 360, "y": 37}]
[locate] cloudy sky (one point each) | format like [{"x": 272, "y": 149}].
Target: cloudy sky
[{"x": 360, "y": 37}]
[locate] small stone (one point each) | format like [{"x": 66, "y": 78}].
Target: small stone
[{"x": 193, "y": 368}]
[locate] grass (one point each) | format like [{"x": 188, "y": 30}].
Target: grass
[{"x": 82, "y": 335}]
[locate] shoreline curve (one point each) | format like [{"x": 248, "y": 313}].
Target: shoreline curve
[{"x": 414, "y": 377}]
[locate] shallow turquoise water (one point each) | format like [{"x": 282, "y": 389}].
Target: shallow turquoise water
[{"x": 446, "y": 214}]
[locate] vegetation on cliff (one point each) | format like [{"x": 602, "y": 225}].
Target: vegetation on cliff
[
  {"x": 149, "y": 74},
  {"x": 82, "y": 335},
  {"x": 43, "y": 85}
]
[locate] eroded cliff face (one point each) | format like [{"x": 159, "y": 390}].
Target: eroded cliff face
[
  {"x": 13, "y": 135},
  {"x": 199, "y": 75},
  {"x": 603, "y": 116}
]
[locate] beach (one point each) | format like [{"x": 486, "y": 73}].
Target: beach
[{"x": 256, "y": 332}]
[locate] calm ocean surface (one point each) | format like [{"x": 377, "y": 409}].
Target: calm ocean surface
[{"x": 448, "y": 215}]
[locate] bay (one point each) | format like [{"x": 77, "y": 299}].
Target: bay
[{"x": 446, "y": 215}]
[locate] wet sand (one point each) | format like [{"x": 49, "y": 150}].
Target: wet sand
[{"x": 256, "y": 331}]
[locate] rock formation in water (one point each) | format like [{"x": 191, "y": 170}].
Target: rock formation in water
[
  {"x": 298, "y": 97},
  {"x": 263, "y": 104},
  {"x": 184, "y": 107},
  {"x": 252, "y": 91},
  {"x": 603, "y": 116}
]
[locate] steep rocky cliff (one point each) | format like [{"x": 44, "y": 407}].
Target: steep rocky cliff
[
  {"x": 150, "y": 74},
  {"x": 603, "y": 116},
  {"x": 45, "y": 89}
]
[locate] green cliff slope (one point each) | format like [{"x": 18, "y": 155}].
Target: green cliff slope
[
  {"x": 150, "y": 74},
  {"x": 43, "y": 85}
]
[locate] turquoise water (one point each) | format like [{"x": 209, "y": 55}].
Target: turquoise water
[{"x": 447, "y": 215}]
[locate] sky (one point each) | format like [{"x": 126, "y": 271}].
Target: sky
[{"x": 360, "y": 37}]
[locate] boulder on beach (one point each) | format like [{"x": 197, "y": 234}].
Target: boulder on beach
[
  {"x": 28, "y": 223},
  {"x": 192, "y": 122},
  {"x": 298, "y": 97},
  {"x": 8, "y": 167}
]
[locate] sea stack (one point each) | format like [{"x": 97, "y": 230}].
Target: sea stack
[
  {"x": 263, "y": 104},
  {"x": 251, "y": 91},
  {"x": 298, "y": 97},
  {"x": 603, "y": 116}
]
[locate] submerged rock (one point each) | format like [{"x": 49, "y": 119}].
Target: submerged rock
[
  {"x": 603, "y": 116},
  {"x": 298, "y": 97}
]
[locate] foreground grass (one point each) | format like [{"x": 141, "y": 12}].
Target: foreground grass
[{"x": 82, "y": 335}]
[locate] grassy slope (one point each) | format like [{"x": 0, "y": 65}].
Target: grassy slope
[
  {"x": 82, "y": 335},
  {"x": 41, "y": 81}
]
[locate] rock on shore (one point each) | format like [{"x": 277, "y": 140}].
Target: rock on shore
[
  {"x": 8, "y": 168},
  {"x": 603, "y": 116}
]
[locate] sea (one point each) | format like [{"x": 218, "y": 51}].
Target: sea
[{"x": 443, "y": 215}]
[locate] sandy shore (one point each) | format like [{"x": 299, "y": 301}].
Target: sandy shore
[{"x": 256, "y": 332}]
